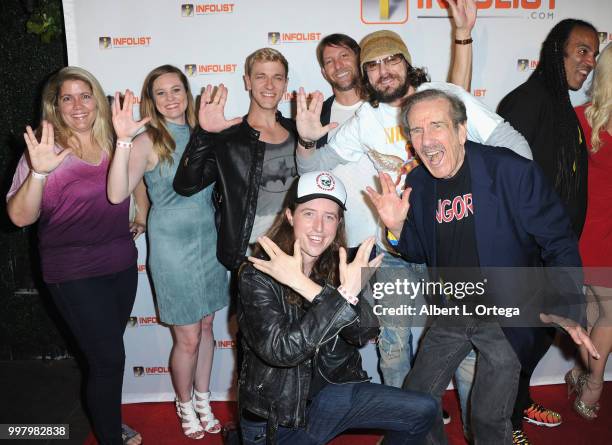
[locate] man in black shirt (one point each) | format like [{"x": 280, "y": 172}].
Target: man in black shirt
[{"x": 471, "y": 205}]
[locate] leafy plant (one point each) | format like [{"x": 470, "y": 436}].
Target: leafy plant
[{"x": 46, "y": 20}]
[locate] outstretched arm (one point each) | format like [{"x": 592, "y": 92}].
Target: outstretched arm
[
  {"x": 129, "y": 161},
  {"x": 464, "y": 18},
  {"x": 24, "y": 206}
]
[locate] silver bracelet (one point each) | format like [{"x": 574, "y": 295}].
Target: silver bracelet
[
  {"x": 37, "y": 175},
  {"x": 124, "y": 144},
  {"x": 348, "y": 297}
]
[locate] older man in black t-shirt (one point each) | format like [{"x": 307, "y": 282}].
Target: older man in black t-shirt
[{"x": 470, "y": 205}]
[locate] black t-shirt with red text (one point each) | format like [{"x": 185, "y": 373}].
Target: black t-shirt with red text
[{"x": 455, "y": 232}]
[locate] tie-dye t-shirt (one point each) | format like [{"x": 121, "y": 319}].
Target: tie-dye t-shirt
[{"x": 81, "y": 234}]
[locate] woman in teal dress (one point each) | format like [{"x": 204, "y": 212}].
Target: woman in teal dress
[{"x": 189, "y": 283}]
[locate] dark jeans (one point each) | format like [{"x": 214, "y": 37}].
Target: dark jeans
[
  {"x": 446, "y": 343},
  {"x": 97, "y": 310},
  {"x": 406, "y": 416},
  {"x": 539, "y": 340}
]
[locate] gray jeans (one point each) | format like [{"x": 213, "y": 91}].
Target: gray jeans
[{"x": 446, "y": 343}]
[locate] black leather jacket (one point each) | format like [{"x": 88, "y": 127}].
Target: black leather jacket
[
  {"x": 283, "y": 344},
  {"x": 233, "y": 159}
]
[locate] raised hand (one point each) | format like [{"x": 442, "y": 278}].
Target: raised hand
[
  {"x": 351, "y": 275},
  {"x": 286, "y": 269},
  {"x": 43, "y": 157},
  {"x": 308, "y": 117},
  {"x": 464, "y": 16},
  {"x": 391, "y": 208},
  {"x": 211, "y": 115},
  {"x": 577, "y": 332},
  {"x": 123, "y": 118}
]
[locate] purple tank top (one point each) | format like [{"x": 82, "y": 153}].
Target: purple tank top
[{"x": 81, "y": 234}]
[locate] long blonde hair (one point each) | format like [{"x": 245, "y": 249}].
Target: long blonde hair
[
  {"x": 598, "y": 114},
  {"x": 163, "y": 144},
  {"x": 101, "y": 133}
]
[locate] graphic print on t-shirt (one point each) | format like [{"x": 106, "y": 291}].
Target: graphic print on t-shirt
[
  {"x": 278, "y": 173},
  {"x": 395, "y": 166},
  {"x": 455, "y": 230},
  {"x": 454, "y": 209}
]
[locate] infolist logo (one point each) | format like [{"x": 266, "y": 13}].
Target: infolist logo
[
  {"x": 191, "y": 9},
  {"x": 384, "y": 12},
  {"x": 107, "y": 42},
  {"x": 526, "y": 64},
  {"x": 277, "y": 38},
  {"x": 192, "y": 69},
  {"x": 511, "y": 9},
  {"x": 187, "y": 10},
  {"x": 225, "y": 344},
  {"x": 145, "y": 371}
]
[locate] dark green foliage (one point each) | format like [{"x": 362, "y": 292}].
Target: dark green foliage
[
  {"x": 46, "y": 20},
  {"x": 28, "y": 324}
]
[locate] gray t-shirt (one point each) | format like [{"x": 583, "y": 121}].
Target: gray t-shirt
[{"x": 278, "y": 173}]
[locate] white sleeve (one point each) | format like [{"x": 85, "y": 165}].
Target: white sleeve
[
  {"x": 346, "y": 142},
  {"x": 505, "y": 135},
  {"x": 481, "y": 121},
  {"x": 323, "y": 158},
  {"x": 483, "y": 125}
]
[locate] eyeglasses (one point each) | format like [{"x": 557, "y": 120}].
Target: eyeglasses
[{"x": 389, "y": 60}]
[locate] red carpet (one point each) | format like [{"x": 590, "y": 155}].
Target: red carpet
[{"x": 159, "y": 425}]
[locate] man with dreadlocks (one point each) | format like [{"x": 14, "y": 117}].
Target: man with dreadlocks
[{"x": 541, "y": 110}]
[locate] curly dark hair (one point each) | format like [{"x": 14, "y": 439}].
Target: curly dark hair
[{"x": 551, "y": 70}]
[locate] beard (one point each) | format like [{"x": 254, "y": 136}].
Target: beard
[
  {"x": 391, "y": 95},
  {"x": 344, "y": 87}
]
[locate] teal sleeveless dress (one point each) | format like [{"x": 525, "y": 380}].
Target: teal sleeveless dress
[{"x": 188, "y": 281}]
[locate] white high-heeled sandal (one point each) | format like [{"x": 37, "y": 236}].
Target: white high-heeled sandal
[
  {"x": 190, "y": 423},
  {"x": 201, "y": 403}
]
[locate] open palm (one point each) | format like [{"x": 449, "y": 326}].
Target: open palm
[
  {"x": 43, "y": 157},
  {"x": 211, "y": 115},
  {"x": 123, "y": 118}
]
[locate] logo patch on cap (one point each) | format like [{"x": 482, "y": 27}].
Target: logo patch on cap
[{"x": 326, "y": 182}]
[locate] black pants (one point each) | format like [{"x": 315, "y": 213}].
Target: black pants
[
  {"x": 540, "y": 342},
  {"x": 97, "y": 310}
]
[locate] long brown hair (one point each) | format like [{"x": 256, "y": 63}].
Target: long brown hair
[
  {"x": 325, "y": 268},
  {"x": 163, "y": 144},
  {"x": 101, "y": 132}
]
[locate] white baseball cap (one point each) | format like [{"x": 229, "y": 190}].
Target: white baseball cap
[{"x": 320, "y": 184}]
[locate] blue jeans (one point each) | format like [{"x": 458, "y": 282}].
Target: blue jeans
[
  {"x": 447, "y": 342},
  {"x": 464, "y": 378},
  {"x": 395, "y": 339},
  {"x": 396, "y": 353},
  {"x": 406, "y": 416}
]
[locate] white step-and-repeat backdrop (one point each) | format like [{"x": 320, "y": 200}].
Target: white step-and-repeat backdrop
[{"x": 120, "y": 41}]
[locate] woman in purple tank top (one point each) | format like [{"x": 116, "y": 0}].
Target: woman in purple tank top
[{"x": 87, "y": 251}]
